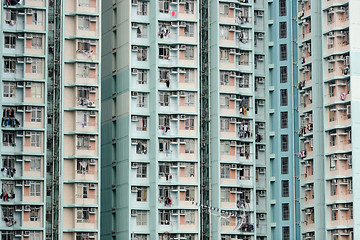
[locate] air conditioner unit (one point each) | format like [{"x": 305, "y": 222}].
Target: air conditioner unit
[
  {"x": 260, "y": 13},
  {"x": 182, "y": 212},
  {"x": 134, "y": 25},
  {"x": 91, "y": 104},
  {"x": 182, "y": 24},
  {"x": 28, "y": 84},
  {"x": 133, "y": 213},
  {"x": 134, "y": 189},
  {"x": 20, "y": 60},
  {"x": 134, "y": 118},
  {"x": 93, "y": 19},
  {"x": 92, "y": 162},
  {"x": 92, "y": 114},
  {"x": 27, "y": 133},
  {"x": 91, "y": 235},
  {"x": 28, "y": 109},
  {"x": 182, "y": 117},
  {"x": 26, "y": 233},
  {"x": 182, "y": 93},
  {"x": 92, "y": 90},
  {"x": 233, "y": 96},
  {"x": 232, "y": 5},
  {"x": 331, "y": 34},
  {"x": 174, "y": 212},
  {"x": 27, "y": 208},
  {"x": 92, "y": 210},
  {"x": 134, "y": 48},
  {"x": 233, "y": 166},
  {"x": 261, "y": 80},
  {"x": 93, "y": 42},
  {"x": 20, "y": 109},
  {"x": 92, "y": 186},
  {"x": 233, "y": 143},
  {"x": 233, "y": 120},
  {"x": 182, "y": 47},
  {"x": 93, "y": 66},
  {"x": 262, "y": 170},
  {"x": 18, "y": 233},
  {"x": 134, "y": 71},
  {"x": 28, "y": 59},
  {"x": 262, "y": 193},
  {"x": 29, "y": 11},
  {"x": 20, "y": 133},
  {"x": 261, "y": 125},
  {"x": 134, "y": 94},
  {"x": 262, "y": 216},
  {"x": 18, "y": 208}
]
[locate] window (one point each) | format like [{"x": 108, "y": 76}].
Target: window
[
  {"x": 84, "y": 3},
  {"x": 82, "y": 166},
  {"x": 35, "y": 188},
  {"x": 224, "y": 32},
  {"x": 189, "y": 217},
  {"x": 283, "y": 52},
  {"x": 283, "y": 29},
  {"x": 83, "y": 45},
  {"x": 34, "y": 213},
  {"x": 8, "y": 139},
  {"x": 141, "y": 171},
  {"x": 189, "y": 52},
  {"x": 244, "y": 58},
  {"x": 189, "y": 169},
  {"x": 142, "y": 100},
  {"x": 284, "y": 165},
  {"x": 333, "y": 212},
  {"x": 83, "y": 70},
  {"x": 224, "y": 124},
  {"x": 189, "y": 145},
  {"x": 189, "y": 193},
  {"x": 189, "y": 122},
  {"x": 189, "y": 75},
  {"x": 37, "y": 17},
  {"x": 225, "y": 195},
  {"x": 36, "y": 65},
  {"x": 141, "y": 54},
  {"x": 285, "y": 212},
  {"x": 9, "y": 89},
  {"x": 141, "y": 124},
  {"x": 142, "y": 31},
  {"x": 8, "y": 235},
  {"x": 35, "y": 139},
  {"x": 35, "y": 164},
  {"x": 142, "y": 8},
  {"x": 330, "y": 18},
  {"x": 82, "y": 215},
  {"x": 189, "y": 99},
  {"x": 8, "y": 162},
  {"x": 164, "y": 145},
  {"x": 164, "y": 52},
  {"x": 9, "y": 65},
  {"x": 164, "y": 6},
  {"x": 332, "y": 114},
  {"x": 82, "y": 190},
  {"x": 164, "y": 74},
  {"x": 332, "y": 138},
  {"x": 224, "y": 101},
  {"x": 224, "y": 78},
  {"x": 189, "y": 7},
  {"x": 333, "y": 188},
  {"x": 36, "y": 41},
  {"x": 138, "y": 237},
  {"x": 83, "y": 142},
  {"x": 284, "y": 119},
  {"x": 164, "y": 99},
  {"x": 10, "y": 41},
  {"x": 285, "y": 188},
  {"x": 164, "y": 217},
  {"x": 224, "y": 54},
  {"x": 332, "y": 89},
  {"x": 224, "y": 9},
  {"x": 283, "y": 74},
  {"x": 331, "y": 67},
  {"x": 331, "y": 41},
  {"x": 10, "y": 16},
  {"x": 34, "y": 235},
  {"x": 84, "y": 22},
  {"x": 224, "y": 171},
  {"x": 284, "y": 143},
  {"x": 283, "y": 97},
  {"x": 141, "y": 195},
  {"x": 224, "y": 147},
  {"x": 286, "y": 233},
  {"x": 36, "y": 90},
  {"x": 189, "y": 29},
  {"x": 282, "y": 7},
  {"x": 141, "y": 76},
  {"x": 82, "y": 118}
]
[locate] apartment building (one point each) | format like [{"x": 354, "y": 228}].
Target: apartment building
[
  {"x": 327, "y": 47},
  {"x": 150, "y": 120},
  {"x": 50, "y": 146}
]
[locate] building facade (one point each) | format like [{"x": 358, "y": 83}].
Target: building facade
[{"x": 50, "y": 102}]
